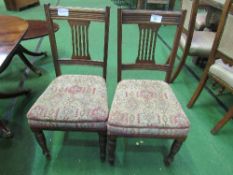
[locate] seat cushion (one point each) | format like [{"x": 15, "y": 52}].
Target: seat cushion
[
  {"x": 74, "y": 101},
  {"x": 201, "y": 45},
  {"x": 146, "y": 108},
  {"x": 222, "y": 72}
]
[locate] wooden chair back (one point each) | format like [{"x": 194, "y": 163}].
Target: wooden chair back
[
  {"x": 222, "y": 47},
  {"x": 148, "y": 32},
  {"x": 191, "y": 6},
  {"x": 79, "y": 20}
]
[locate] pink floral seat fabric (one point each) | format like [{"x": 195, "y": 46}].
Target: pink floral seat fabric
[
  {"x": 74, "y": 101},
  {"x": 146, "y": 108}
]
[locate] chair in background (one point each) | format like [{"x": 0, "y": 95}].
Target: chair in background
[
  {"x": 193, "y": 43},
  {"x": 74, "y": 102},
  {"x": 169, "y": 3},
  {"x": 200, "y": 22},
  {"x": 147, "y": 108},
  {"x": 220, "y": 71}
]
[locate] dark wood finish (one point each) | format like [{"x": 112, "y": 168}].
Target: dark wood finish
[
  {"x": 146, "y": 58},
  {"x": 215, "y": 53},
  {"x": 147, "y": 43},
  {"x": 170, "y": 3},
  {"x": 20, "y": 4},
  {"x": 40, "y": 137},
  {"x": 80, "y": 39},
  {"x": 223, "y": 121},
  {"x": 174, "y": 149},
  {"x": 102, "y": 145},
  {"x": 10, "y": 37},
  {"x": 79, "y": 20},
  {"x": 11, "y": 32},
  {"x": 36, "y": 29},
  {"x": 111, "y": 149}
]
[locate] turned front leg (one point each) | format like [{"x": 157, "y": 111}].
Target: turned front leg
[
  {"x": 42, "y": 142},
  {"x": 111, "y": 149},
  {"x": 102, "y": 145},
  {"x": 174, "y": 149}
]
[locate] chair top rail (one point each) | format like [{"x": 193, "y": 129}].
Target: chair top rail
[
  {"x": 142, "y": 16},
  {"x": 79, "y": 13}
]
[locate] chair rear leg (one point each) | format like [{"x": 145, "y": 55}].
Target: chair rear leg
[
  {"x": 102, "y": 145},
  {"x": 42, "y": 142},
  {"x": 198, "y": 90},
  {"x": 174, "y": 149},
  {"x": 180, "y": 66},
  {"x": 223, "y": 121},
  {"x": 111, "y": 149}
]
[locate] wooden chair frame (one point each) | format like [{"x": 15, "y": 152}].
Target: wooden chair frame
[
  {"x": 141, "y": 18},
  {"x": 82, "y": 16}
]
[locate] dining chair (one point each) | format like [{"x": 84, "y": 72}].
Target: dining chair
[
  {"x": 193, "y": 43},
  {"x": 200, "y": 22},
  {"x": 147, "y": 108},
  {"x": 169, "y": 3},
  {"x": 220, "y": 71},
  {"x": 74, "y": 102}
]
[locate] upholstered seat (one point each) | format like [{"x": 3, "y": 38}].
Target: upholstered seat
[
  {"x": 201, "y": 44},
  {"x": 74, "y": 101},
  {"x": 146, "y": 108},
  {"x": 223, "y": 72}
]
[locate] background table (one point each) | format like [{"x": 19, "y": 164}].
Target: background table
[
  {"x": 12, "y": 31},
  {"x": 36, "y": 29}
]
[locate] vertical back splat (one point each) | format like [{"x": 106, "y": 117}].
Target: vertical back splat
[
  {"x": 80, "y": 39},
  {"x": 147, "y": 43}
]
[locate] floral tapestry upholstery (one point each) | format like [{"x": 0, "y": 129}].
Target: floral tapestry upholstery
[
  {"x": 146, "y": 108},
  {"x": 75, "y": 101}
]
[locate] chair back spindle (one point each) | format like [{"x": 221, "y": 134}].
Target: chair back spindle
[
  {"x": 147, "y": 43},
  {"x": 80, "y": 43}
]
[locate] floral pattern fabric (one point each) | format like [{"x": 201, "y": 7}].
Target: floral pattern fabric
[
  {"x": 146, "y": 107},
  {"x": 72, "y": 100}
]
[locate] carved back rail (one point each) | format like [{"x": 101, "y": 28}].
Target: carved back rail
[
  {"x": 148, "y": 32},
  {"x": 79, "y": 20}
]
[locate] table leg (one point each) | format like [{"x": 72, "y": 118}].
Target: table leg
[
  {"x": 20, "y": 53},
  {"x": 28, "y": 52},
  {"x": 16, "y": 93}
]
